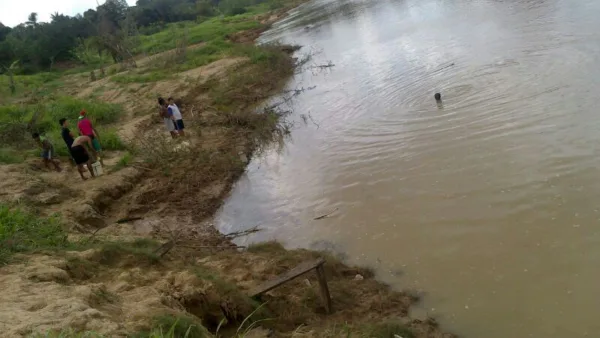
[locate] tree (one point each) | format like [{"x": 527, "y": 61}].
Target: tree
[
  {"x": 4, "y": 31},
  {"x": 32, "y": 19}
]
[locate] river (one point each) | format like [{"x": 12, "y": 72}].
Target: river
[{"x": 489, "y": 202}]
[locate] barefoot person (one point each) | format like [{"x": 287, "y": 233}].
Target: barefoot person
[
  {"x": 86, "y": 129},
  {"x": 177, "y": 118},
  {"x": 81, "y": 155},
  {"x": 47, "y": 151},
  {"x": 163, "y": 111}
]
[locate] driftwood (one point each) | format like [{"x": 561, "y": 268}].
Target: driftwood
[
  {"x": 326, "y": 215},
  {"x": 164, "y": 249},
  {"x": 93, "y": 235},
  {"x": 211, "y": 246},
  {"x": 237, "y": 234},
  {"x": 128, "y": 219}
]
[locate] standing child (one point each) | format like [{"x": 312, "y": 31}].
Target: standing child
[
  {"x": 177, "y": 118},
  {"x": 47, "y": 151},
  {"x": 163, "y": 111}
]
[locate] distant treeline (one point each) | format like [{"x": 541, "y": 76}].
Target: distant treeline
[{"x": 101, "y": 35}]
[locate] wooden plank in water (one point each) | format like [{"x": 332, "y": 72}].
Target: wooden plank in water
[{"x": 287, "y": 276}]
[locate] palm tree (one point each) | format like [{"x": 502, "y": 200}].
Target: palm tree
[{"x": 32, "y": 19}]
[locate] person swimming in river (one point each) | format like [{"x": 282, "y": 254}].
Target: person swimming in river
[{"x": 438, "y": 100}]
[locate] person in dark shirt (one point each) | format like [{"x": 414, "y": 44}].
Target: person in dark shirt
[{"x": 66, "y": 134}]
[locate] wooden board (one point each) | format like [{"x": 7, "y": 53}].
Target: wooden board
[{"x": 287, "y": 276}]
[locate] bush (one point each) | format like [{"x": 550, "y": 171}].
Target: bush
[
  {"x": 110, "y": 140},
  {"x": 21, "y": 232}
]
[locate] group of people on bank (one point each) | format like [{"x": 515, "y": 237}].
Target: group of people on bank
[
  {"x": 80, "y": 148},
  {"x": 85, "y": 148}
]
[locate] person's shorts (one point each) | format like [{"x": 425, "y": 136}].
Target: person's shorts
[
  {"x": 169, "y": 124},
  {"x": 48, "y": 153},
  {"x": 179, "y": 125},
  {"x": 96, "y": 144},
  {"x": 80, "y": 155}
]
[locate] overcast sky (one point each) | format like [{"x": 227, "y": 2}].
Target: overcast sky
[{"x": 14, "y": 12}]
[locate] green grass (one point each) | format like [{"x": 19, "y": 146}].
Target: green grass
[
  {"x": 40, "y": 84},
  {"x": 266, "y": 247},
  {"x": 10, "y": 156},
  {"x": 214, "y": 29},
  {"x": 22, "y": 232},
  {"x": 153, "y": 76},
  {"x": 124, "y": 161},
  {"x": 110, "y": 140},
  {"x": 166, "y": 326}
]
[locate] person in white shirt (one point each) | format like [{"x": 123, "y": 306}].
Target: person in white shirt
[{"x": 177, "y": 118}]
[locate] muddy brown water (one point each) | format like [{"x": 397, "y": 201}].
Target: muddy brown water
[{"x": 490, "y": 203}]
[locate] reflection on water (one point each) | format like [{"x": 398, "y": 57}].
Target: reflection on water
[{"x": 488, "y": 203}]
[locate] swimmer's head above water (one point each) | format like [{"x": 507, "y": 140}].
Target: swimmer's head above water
[{"x": 438, "y": 96}]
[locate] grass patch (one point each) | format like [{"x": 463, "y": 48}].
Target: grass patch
[
  {"x": 110, "y": 140},
  {"x": 123, "y": 162},
  {"x": 135, "y": 253},
  {"x": 266, "y": 247},
  {"x": 210, "y": 30},
  {"x": 22, "y": 232},
  {"x": 168, "y": 326},
  {"x": 17, "y": 122},
  {"x": 153, "y": 76},
  {"x": 41, "y": 84},
  {"x": 10, "y": 156}
]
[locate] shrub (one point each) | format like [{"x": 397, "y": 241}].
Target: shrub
[{"x": 110, "y": 140}]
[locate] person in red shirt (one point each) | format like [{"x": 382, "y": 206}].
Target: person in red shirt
[{"x": 86, "y": 129}]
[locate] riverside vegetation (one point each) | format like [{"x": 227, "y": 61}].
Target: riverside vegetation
[{"x": 133, "y": 252}]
